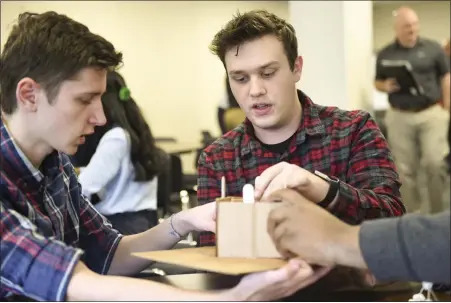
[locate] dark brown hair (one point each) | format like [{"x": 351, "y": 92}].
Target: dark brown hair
[
  {"x": 253, "y": 25},
  {"x": 50, "y": 48}
]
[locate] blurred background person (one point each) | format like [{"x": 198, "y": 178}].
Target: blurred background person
[
  {"x": 417, "y": 124},
  {"x": 446, "y": 48},
  {"x": 230, "y": 114},
  {"x": 122, "y": 163}
]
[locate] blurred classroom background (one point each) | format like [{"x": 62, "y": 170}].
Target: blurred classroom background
[{"x": 180, "y": 85}]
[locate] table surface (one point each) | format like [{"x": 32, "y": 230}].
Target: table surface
[
  {"x": 179, "y": 147},
  {"x": 319, "y": 292}
]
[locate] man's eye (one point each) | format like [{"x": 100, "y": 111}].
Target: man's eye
[
  {"x": 240, "y": 79},
  {"x": 267, "y": 75},
  {"x": 86, "y": 101}
]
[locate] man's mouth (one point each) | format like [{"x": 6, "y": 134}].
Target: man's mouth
[
  {"x": 262, "y": 109},
  {"x": 261, "y": 106}
]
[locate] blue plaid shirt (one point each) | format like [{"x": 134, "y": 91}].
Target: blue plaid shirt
[{"x": 46, "y": 226}]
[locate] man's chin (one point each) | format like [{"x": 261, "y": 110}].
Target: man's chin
[
  {"x": 266, "y": 124},
  {"x": 70, "y": 150}
]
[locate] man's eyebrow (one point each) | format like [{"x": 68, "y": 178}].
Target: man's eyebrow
[
  {"x": 266, "y": 65},
  {"x": 91, "y": 94}
]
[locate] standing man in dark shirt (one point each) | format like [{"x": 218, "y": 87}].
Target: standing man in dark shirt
[{"x": 416, "y": 125}]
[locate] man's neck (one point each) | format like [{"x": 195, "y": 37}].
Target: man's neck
[
  {"x": 34, "y": 149},
  {"x": 407, "y": 44},
  {"x": 278, "y": 135}
]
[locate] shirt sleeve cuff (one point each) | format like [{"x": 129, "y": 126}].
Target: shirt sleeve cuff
[
  {"x": 110, "y": 255},
  {"x": 49, "y": 283},
  {"x": 381, "y": 249},
  {"x": 341, "y": 204}
]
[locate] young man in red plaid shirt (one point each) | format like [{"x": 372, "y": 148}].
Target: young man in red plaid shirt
[
  {"x": 338, "y": 159},
  {"x": 55, "y": 245}
]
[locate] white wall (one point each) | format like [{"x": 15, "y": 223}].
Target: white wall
[
  {"x": 335, "y": 41},
  {"x": 358, "y": 28},
  {"x": 319, "y": 30},
  {"x": 168, "y": 66},
  {"x": 167, "y": 63},
  {"x": 434, "y": 20}
]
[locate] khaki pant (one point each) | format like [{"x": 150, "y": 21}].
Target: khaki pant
[{"x": 419, "y": 142}]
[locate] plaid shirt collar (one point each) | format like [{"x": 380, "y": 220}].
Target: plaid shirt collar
[
  {"x": 310, "y": 125},
  {"x": 24, "y": 172}
]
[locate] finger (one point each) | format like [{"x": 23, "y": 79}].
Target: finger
[
  {"x": 211, "y": 227},
  {"x": 304, "y": 273},
  {"x": 276, "y": 216},
  {"x": 287, "y": 195},
  {"x": 305, "y": 279},
  {"x": 318, "y": 274},
  {"x": 272, "y": 222},
  {"x": 281, "y": 241},
  {"x": 262, "y": 182},
  {"x": 280, "y": 232},
  {"x": 273, "y": 282},
  {"x": 274, "y": 185},
  {"x": 307, "y": 276}
]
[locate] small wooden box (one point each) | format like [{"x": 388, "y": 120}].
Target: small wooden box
[{"x": 241, "y": 230}]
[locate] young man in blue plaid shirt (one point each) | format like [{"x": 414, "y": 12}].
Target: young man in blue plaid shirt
[{"x": 54, "y": 245}]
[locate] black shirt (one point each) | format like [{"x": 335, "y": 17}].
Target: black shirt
[
  {"x": 278, "y": 148},
  {"x": 429, "y": 64}
]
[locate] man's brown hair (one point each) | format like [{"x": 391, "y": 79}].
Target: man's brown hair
[
  {"x": 253, "y": 25},
  {"x": 50, "y": 48}
]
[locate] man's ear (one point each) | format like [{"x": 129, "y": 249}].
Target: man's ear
[
  {"x": 27, "y": 92},
  {"x": 297, "y": 69}
]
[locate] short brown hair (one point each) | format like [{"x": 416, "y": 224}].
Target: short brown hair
[
  {"x": 50, "y": 48},
  {"x": 253, "y": 25}
]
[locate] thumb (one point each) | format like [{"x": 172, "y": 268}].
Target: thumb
[
  {"x": 258, "y": 188},
  {"x": 210, "y": 226}
]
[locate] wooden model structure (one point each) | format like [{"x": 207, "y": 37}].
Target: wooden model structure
[{"x": 241, "y": 230}]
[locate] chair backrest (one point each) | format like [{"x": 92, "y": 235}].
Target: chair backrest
[
  {"x": 164, "y": 182},
  {"x": 233, "y": 117},
  {"x": 165, "y": 139},
  {"x": 176, "y": 174}
]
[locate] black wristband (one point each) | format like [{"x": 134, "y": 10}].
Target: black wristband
[{"x": 334, "y": 187}]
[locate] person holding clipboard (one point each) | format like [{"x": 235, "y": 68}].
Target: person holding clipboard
[{"x": 413, "y": 71}]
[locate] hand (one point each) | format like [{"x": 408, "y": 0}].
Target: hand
[
  {"x": 300, "y": 228},
  {"x": 281, "y": 175},
  {"x": 277, "y": 284},
  {"x": 391, "y": 85},
  {"x": 199, "y": 218}
]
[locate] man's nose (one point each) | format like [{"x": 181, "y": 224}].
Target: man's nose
[
  {"x": 98, "y": 117},
  {"x": 257, "y": 88}
]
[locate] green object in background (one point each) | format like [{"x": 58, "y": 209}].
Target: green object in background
[{"x": 124, "y": 94}]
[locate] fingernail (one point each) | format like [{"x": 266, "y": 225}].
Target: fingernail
[{"x": 296, "y": 263}]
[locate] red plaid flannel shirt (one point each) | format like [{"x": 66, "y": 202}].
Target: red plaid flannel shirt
[{"x": 344, "y": 144}]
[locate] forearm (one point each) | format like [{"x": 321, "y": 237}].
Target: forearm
[
  {"x": 445, "y": 84},
  {"x": 315, "y": 190},
  {"x": 409, "y": 248},
  {"x": 113, "y": 288},
  {"x": 349, "y": 200},
  {"x": 206, "y": 238},
  {"x": 347, "y": 248},
  {"x": 355, "y": 205},
  {"x": 161, "y": 237}
]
